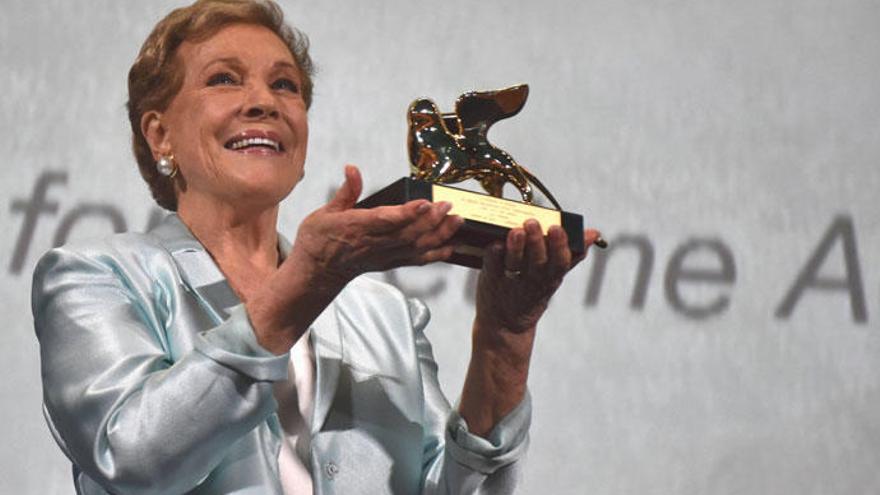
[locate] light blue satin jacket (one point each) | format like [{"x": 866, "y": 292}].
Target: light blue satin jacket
[{"x": 153, "y": 382}]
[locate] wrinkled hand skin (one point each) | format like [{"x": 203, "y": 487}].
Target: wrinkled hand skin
[{"x": 339, "y": 242}]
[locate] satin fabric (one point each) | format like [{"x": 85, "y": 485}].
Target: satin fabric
[{"x": 153, "y": 382}]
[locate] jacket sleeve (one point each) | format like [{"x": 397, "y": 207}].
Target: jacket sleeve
[
  {"x": 126, "y": 414},
  {"x": 455, "y": 460}
]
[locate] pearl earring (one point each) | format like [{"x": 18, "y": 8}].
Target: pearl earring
[{"x": 166, "y": 166}]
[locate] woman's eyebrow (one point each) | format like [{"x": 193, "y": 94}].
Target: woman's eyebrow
[
  {"x": 231, "y": 61},
  {"x": 284, "y": 64}
]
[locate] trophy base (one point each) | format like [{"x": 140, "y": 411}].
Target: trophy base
[{"x": 487, "y": 218}]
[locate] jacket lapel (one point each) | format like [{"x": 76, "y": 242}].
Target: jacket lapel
[
  {"x": 326, "y": 340},
  {"x": 197, "y": 269}
]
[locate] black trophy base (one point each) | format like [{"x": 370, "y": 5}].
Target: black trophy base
[{"x": 493, "y": 213}]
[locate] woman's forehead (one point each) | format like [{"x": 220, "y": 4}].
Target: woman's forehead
[{"x": 245, "y": 43}]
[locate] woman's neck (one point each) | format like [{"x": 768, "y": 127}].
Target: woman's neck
[{"x": 243, "y": 242}]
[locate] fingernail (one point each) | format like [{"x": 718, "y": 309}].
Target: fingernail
[
  {"x": 600, "y": 243},
  {"x": 445, "y": 207},
  {"x": 424, "y": 207}
]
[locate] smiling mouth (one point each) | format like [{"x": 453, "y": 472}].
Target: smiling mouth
[{"x": 242, "y": 144}]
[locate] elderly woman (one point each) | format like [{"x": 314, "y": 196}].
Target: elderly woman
[{"x": 210, "y": 355}]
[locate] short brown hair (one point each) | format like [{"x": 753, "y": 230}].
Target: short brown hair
[{"x": 156, "y": 75}]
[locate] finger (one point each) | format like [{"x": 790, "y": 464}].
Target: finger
[
  {"x": 440, "y": 235},
  {"x": 513, "y": 256},
  {"x": 427, "y": 221},
  {"x": 494, "y": 258},
  {"x": 590, "y": 238},
  {"x": 349, "y": 192},
  {"x": 407, "y": 257},
  {"x": 536, "y": 248},
  {"x": 435, "y": 255},
  {"x": 385, "y": 220},
  {"x": 392, "y": 232},
  {"x": 559, "y": 255},
  {"x": 400, "y": 245}
]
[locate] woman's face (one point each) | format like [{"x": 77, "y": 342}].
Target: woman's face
[{"x": 237, "y": 127}]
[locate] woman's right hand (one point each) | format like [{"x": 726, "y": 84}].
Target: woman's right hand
[
  {"x": 335, "y": 244},
  {"x": 338, "y": 242}
]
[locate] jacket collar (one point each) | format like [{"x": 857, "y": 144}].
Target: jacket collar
[
  {"x": 201, "y": 276},
  {"x": 199, "y": 273}
]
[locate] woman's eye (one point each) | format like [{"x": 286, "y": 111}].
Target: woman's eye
[
  {"x": 285, "y": 84},
  {"x": 221, "y": 78}
]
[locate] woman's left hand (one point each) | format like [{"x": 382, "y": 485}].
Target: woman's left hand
[{"x": 519, "y": 278}]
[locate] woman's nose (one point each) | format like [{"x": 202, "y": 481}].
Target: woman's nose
[
  {"x": 261, "y": 110},
  {"x": 260, "y": 104}
]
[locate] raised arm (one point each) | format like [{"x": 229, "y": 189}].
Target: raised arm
[
  {"x": 513, "y": 291},
  {"x": 455, "y": 460}
]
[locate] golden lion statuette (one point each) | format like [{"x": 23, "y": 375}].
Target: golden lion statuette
[
  {"x": 453, "y": 147},
  {"x": 447, "y": 148}
]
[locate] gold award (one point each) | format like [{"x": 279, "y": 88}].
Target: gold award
[{"x": 447, "y": 148}]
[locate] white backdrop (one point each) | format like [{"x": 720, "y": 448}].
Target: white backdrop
[{"x": 730, "y": 150}]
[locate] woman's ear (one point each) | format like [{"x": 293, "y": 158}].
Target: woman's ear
[{"x": 156, "y": 134}]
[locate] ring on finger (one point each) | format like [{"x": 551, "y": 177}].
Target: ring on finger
[{"x": 512, "y": 274}]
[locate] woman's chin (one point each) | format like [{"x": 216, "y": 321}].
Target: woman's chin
[
  {"x": 240, "y": 195},
  {"x": 265, "y": 181},
  {"x": 268, "y": 177},
  {"x": 264, "y": 195}
]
